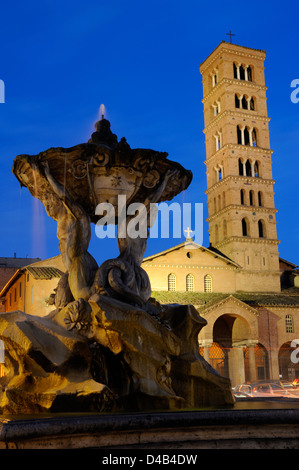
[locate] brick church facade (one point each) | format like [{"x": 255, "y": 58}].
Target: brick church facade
[{"x": 247, "y": 294}]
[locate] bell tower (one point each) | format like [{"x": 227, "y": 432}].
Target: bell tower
[{"x": 240, "y": 193}]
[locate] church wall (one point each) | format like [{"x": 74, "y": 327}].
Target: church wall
[
  {"x": 197, "y": 262},
  {"x": 266, "y": 328},
  {"x": 15, "y": 295},
  {"x": 223, "y": 280},
  {"x": 273, "y": 335},
  {"x": 270, "y": 283},
  {"x": 283, "y": 335},
  {"x": 31, "y": 296},
  {"x": 37, "y": 292}
]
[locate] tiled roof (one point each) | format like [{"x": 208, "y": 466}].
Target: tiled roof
[
  {"x": 212, "y": 251},
  {"x": 43, "y": 272},
  {"x": 6, "y": 262},
  {"x": 205, "y": 299}
]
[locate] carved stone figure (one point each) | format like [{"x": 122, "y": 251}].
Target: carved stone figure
[{"x": 107, "y": 344}]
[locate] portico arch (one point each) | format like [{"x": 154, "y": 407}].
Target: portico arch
[
  {"x": 232, "y": 333},
  {"x": 233, "y": 327}
]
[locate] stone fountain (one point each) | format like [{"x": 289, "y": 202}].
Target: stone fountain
[{"x": 107, "y": 345}]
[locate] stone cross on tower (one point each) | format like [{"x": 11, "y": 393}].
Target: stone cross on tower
[{"x": 230, "y": 34}]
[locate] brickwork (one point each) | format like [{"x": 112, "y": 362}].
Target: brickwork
[{"x": 242, "y": 212}]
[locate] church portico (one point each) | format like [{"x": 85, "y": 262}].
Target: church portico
[{"x": 229, "y": 340}]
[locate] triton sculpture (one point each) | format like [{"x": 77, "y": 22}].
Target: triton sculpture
[{"x": 107, "y": 345}]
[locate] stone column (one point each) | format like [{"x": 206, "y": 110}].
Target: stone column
[
  {"x": 236, "y": 365},
  {"x": 273, "y": 364},
  {"x": 246, "y": 72},
  {"x": 217, "y": 141},
  {"x": 206, "y": 344},
  {"x": 240, "y": 101},
  {"x": 220, "y": 139},
  {"x": 242, "y": 129},
  {"x": 250, "y": 137},
  {"x": 251, "y": 357}
]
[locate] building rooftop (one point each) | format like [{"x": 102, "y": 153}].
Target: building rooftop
[
  {"x": 37, "y": 272},
  {"x": 235, "y": 47},
  {"x": 202, "y": 300},
  {"x": 6, "y": 262},
  {"x": 212, "y": 251},
  {"x": 47, "y": 272}
]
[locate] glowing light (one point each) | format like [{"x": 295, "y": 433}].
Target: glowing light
[{"x": 102, "y": 110}]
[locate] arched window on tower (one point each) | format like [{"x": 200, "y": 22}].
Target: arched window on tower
[
  {"x": 252, "y": 104},
  {"x": 244, "y": 102},
  {"x": 248, "y": 168},
  {"x": 242, "y": 196},
  {"x": 218, "y": 140},
  {"x": 254, "y": 137},
  {"x": 289, "y": 324},
  {"x": 208, "y": 285},
  {"x": 219, "y": 172},
  {"x": 260, "y": 198},
  {"x": 256, "y": 169},
  {"x": 251, "y": 197},
  {"x": 237, "y": 101},
  {"x": 214, "y": 77},
  {"x": 171, "y": 282},
  {"x": 189, "y": 283},
  {"x": 246, "y": 136},
  {"x": 245, "y": 228},
  {"x": 262, "y": 229},
  {"x": 249, "y": 73},
  {"x": 242, "y": 73}
]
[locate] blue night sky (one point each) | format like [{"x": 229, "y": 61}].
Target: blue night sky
[{"x": 60, "y": 60}]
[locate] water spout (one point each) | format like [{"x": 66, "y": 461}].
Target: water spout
[{"x": 102, "y": 111}]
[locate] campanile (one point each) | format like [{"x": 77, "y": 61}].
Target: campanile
[{"x": 242, "y": 222}]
